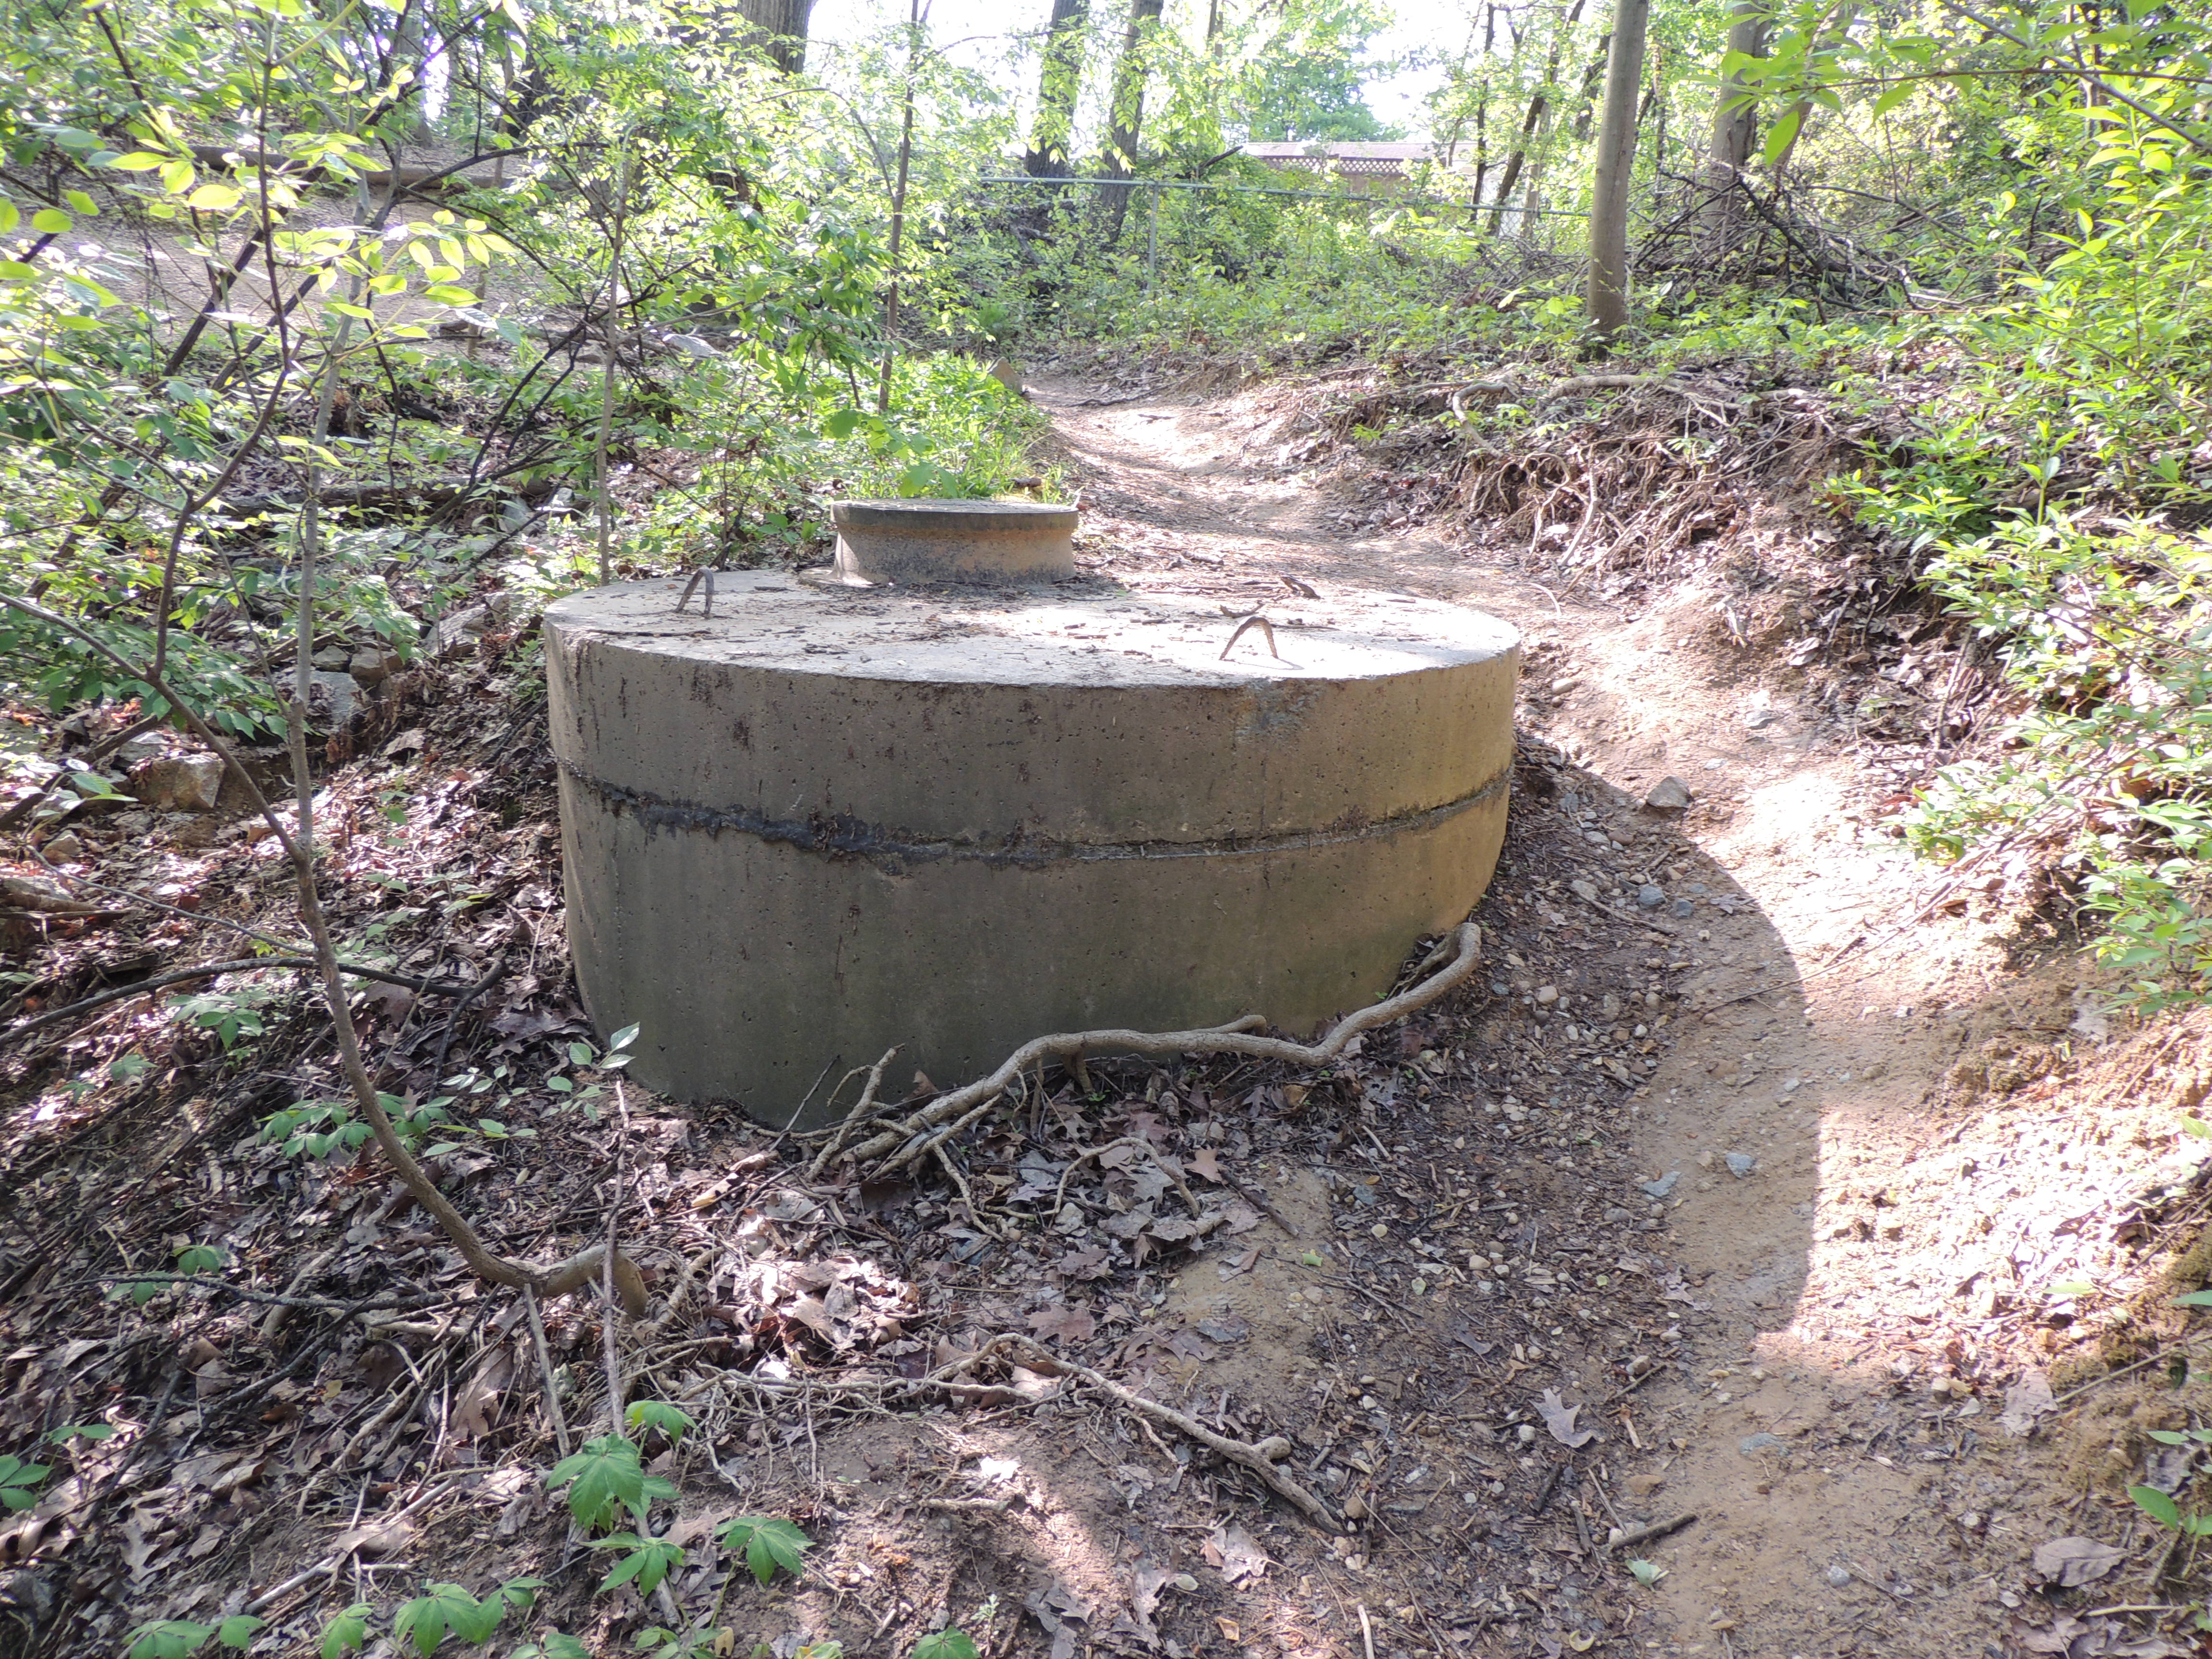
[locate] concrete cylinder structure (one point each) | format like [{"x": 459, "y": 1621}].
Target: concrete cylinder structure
[
  {"x": 830, "y": 821},
  {"x": 927, "y": 541}
]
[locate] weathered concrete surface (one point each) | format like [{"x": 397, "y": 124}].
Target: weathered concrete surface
[
  {"x": 926, "y": 541},
  {"x": 831, "y": 820}
]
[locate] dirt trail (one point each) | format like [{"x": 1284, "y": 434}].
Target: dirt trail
[{"x": 1860, "y": 1301}]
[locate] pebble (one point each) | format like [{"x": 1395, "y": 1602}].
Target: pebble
[
  {"x": 1586, "y": 890},
  {"x": 1742, "y": 1164},
  {"x": 1669, "y": 794},
  {"x": 1683, "y": 908},
  {"x": 1664, "y": 1185},
  {"x": 64, "y": 849},
  {"x": 1760, "y": 1443},
  {"x": 1527, "y": 1432},
  {"x": 1839, "y": 1576},
  {"x": 1649, "y": 897},
  {"x": 1546, "y": 995}
]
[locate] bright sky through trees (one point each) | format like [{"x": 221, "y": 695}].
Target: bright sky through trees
[{"x": 1419, "y": 35}]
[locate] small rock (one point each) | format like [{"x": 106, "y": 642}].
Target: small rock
[
  {"x": 334, "y": 658},
  {"x": 373, "y": 667},
  {"x": 455, "y": 634},
  {"x": 1274, "y": 1449},
  {"x": 1742, "y": 1164},
  {"x": 1759, "y": 719},
  {"x": 144, "y": 746},
  {"x": 1527, "y": 1434},
  {"x": 1546, "y": 995},
  {"x": 1839, "y": 1576},
  {"x": 1664, "y": 1185},
  {"x": 1683, "y": 908},
  {"x": 178, "y": 783},
  {"x": 1642, "y": 1485},
  {"x": 1586, "y": 890},
  {"x": 64, "y": 849},
  {"x": 1616, "y": 1215},
  {"x": 1669, "y": 794},
  {"x": 1752, "y": 1444},
  {"x": 1649, "y": 897},
  {"x": 1597, "y": 838},
  {"x": 1007, "y": 375},
  {"x": 1355, "y": 1508}
]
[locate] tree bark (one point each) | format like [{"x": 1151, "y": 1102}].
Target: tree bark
[
  {"x": 1734, "y": 130},
  {"x": 1128, "y": 126},
  {"x": 779, "y": 29},
  {"x": 1057, "y": 86},
  {"x": 1616, "y": 168}
]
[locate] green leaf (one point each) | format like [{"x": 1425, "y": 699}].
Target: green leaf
[
  {"x": 1890, "y": 99},
  {"x": 52, "y": 221},
  {"x": 167, "y": 1638},
  {"x": 81, "y": 1431},
  {"x": 622, "y": 1039},
  {"x": 199, "y": 1259},
  {"x": 10, "y": 216},
  {"x": 945, "y": 1644},
  {"x": 86, "y": 207},
  {"x": 1648, "y": 1573},
  {"x": 139, "y": 161},
  {"x": 1778, "y": 139},
  {"x": 659, "y": 1414},
  {"x": 348, "y": 1632},
  {"x": 649, "y": 1561},
  {"x": 603, "y": 1479},
  {"x": 767, "y": 1542},
  {"x": 237, "y": 1631},
  {"x": 449, "y": 294},
  {"x": 441, "y": 1608},
  {"x": 2073, "y": 1287},
  {"x": 556, "y": 1645},
  {"x": 2194, "y": 1299},
  {"x": 2157, "y": 1505},
  {"x": 2195, "y": 1126}
]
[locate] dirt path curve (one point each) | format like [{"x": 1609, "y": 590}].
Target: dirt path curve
[{"x": 1859, "y": 1304}]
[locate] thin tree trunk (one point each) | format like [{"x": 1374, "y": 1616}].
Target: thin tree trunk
[
  {"x": 1529, "y": 125},
  {"x": 1057, "y": 86},
  {"x": 898, "y": 207},
  {"x": 1735, "y": 130},
  {"x": 1128, "y": 110},
  {"x": 1616, "y": 168}
]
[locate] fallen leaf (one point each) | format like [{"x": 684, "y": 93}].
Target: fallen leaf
[
  {"x": 2026, "y": 1401},
  {"x": 1227, "y": 1627},
  {"x": 1559, "y": 1419},
  {"x": 1034, "y": 1386},
  {"x": 1206, "y": 1164},
  {"x": 2068, "y": 1562},
  {"x": 1241, "y": 1557},
  {"x": 1062, "y": 1322},
  {"x": 1225, "y": 1330},
  {"x": 478, "y": 1409}
]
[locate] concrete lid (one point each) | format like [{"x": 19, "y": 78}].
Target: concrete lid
[
  {"x": 1041, "y": 637},
  {"x": 927, "y": 515}
]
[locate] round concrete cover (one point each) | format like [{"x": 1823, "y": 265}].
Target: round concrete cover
[
  {"x": 830, "y": 820},
  {"x": 915, "y": 543}
]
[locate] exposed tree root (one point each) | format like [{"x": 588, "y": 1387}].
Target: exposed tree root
[{"x": 1238, "y": 1037}]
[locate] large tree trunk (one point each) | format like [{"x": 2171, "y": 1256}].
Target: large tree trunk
[
  {"x": 1127, "y": 118},
  {"x": 779, "y": 29},
  {"x": 1616, "y": 168},
  {"x": 1057, "y": 86},
  {"x": 1734, "y": 130}
]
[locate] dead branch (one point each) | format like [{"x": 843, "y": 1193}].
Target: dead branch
[
  {"x": 1241, "y": 1452},
  {"x": 1237, "y": 1037}
]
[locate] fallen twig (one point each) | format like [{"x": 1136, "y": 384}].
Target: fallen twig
[
  {"x": 1241, "y": 1452},
  {"x": 1237, "y": 1037},
  {"x": 1616, "y": 1539},
  {"x": 236, "y": 965}
]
